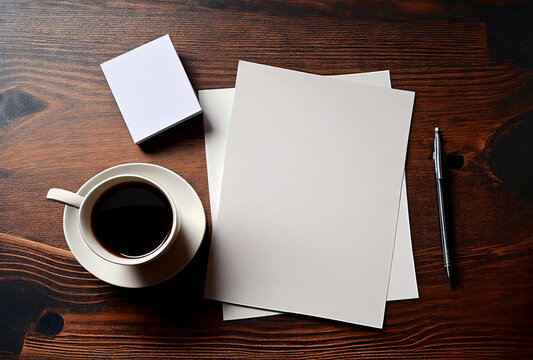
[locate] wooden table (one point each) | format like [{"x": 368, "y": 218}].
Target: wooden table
[{"x": 472, "y": 69}]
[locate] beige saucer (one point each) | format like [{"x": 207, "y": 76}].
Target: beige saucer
[{"x": 171, "y": 262}]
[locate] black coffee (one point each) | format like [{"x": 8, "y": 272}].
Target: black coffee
[{"x": 132, "y": 219}]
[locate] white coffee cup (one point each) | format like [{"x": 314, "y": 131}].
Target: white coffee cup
[{"x": 86, "y": 203}]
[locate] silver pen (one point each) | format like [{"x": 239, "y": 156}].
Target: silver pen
[{"x": 439, "y": 179}]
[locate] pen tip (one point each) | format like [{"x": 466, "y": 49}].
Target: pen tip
[
  {"x": 437, "y": 129},
  {"x": 449, "y": 276}
]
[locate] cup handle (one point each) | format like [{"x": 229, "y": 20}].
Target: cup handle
[{"x": 65, "y": 197}]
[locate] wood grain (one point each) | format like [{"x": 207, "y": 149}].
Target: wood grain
[{"x": 471, "y": 66}]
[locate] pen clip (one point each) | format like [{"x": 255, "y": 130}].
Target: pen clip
[{"x": 437, "y": 156}]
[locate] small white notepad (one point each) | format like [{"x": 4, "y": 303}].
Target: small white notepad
[
  {"x": 216, "y": 105},
  {"x": 151, "y": 88},
  {"x": 310, "y": 195}
]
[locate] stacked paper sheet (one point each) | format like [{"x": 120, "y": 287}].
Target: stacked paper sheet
[{"x": 312, "y": 177}]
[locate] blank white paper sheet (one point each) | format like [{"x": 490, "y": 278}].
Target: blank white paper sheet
[
  {"x": 217, "y": 105},
  {"x": 310, "y": 195}
]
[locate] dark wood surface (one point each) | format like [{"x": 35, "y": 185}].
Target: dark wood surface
[{"x": 471, "y": 66}]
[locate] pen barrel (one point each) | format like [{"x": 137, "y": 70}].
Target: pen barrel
[{"x": 442, "y": 223}]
